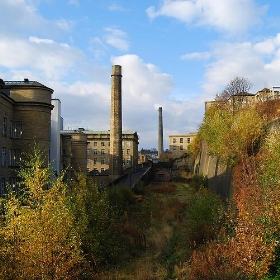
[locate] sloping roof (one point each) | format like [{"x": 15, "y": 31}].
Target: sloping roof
[{"x": 24, "y": 83}]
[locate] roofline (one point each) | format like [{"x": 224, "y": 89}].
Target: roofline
[{"x": 25, "y": 84}]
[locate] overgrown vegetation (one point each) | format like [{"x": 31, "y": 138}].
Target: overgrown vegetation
[
  {"x": 53, "y": 230},
  {"x": 250, "y": 249},
  {"x": 175, "y": 230}
]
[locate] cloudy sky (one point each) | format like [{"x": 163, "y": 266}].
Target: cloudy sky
[{"x": 175, "y": 54}]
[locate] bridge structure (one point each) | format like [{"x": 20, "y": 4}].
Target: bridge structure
[{"x": 132, "y": 177}]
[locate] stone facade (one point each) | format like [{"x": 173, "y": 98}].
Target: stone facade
[
  {"x": 98, "y": 150},
  {"x": 179, "y": 144},
  {"x": 26, "y": 119}
]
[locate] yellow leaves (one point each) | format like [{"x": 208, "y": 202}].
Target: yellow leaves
[
  {"x": 39, "y": 233},
  {"x": 227, "y": 134}
]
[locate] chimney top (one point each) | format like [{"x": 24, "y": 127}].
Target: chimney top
[{"x": 116, "y": 70}]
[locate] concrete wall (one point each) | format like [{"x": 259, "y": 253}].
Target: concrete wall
[{"x": 218, "y": 175}]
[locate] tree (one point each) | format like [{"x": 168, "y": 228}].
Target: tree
[
  {"x": 239, "y": 85},
  {"x": 39, "y": 236},
  {"x": 97, "y": 222}
]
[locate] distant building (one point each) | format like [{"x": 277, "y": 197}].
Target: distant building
[
  {"x": 242, "y": 99},
  {"x": 148, "y": 155},
  {"x": 179, "y": 144},
  {"x": 98, "y": 149},
  {"x": 142, "y": 158}
]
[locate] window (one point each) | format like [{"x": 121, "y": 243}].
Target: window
[
  {"x": 174, "y": 140},
  {"x": 128, "y": 161},
  {"x": 161, "y": 177},
  {"x": 109, "y": 144},
  {"x": 95, "y": 161},
  {"x": 102, "y": 169},
  {"x": 181, "y": 140},
  {"x": 88, "y": 152},
  {"x": 3, "y": 159},
  {"x": 3, "y": 186},
  {"x": 102, "y": 152},
  {"x": 4, "y": 127},
  {"x": 94, "y": 144},
  {"x": 102, "y": 144},
  {"x": 128, "y": 151},
  {"x": 174, "y": 148},
  {"x": 181, "y": 148},
  {"x": 128, "y": 144},
  {"x": 88, "y": 161},
  {"x": 95, "y": 151},
  {"x": 15, "y": 129},
  {"x": 14, "y": 158},
  {"x": 189, "y": 140},
  {"x": 102, "y": 161}
]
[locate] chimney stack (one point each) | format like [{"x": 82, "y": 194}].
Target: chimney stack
[
  {"x": 160, "y": 132},
  {"x": 116, "y": 162}
]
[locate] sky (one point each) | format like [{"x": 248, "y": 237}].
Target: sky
[{"x": 175, "y": 54}]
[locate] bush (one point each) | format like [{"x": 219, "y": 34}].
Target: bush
[
  {"x": 198, "y": 182},
  {"x": 204, "y": 217}
]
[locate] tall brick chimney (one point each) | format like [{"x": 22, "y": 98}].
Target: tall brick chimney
[
  {"x": 160, "y": 132},
  {"x": 116, "y": 162}
]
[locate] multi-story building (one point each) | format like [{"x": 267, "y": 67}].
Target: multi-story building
[
  {"x": 179, "y": 144},
  {"x": 98, "y": 149},
  {"x": 25, "y": 111}
]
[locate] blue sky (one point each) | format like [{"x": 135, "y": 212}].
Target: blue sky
[{"x": 176, "y": 54}]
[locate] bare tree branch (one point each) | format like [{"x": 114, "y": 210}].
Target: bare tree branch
[{"x": 239, "y": 85}]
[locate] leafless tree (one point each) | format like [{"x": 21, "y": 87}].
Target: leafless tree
[{"x": 239, "y": 85}]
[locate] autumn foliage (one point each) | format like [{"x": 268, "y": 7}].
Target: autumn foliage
[{"x": 251, "y": 146}]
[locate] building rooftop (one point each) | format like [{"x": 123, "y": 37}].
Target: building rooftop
[
  {"x": 106, "y": 131},
  {"x": 96, "y": 132},
  {"x": 181, "y": 135},
  {"x": 25, "y": 82}
]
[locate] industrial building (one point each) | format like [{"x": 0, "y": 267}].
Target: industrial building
[
  {"x": 25, "y": 109},
  {"x": 29, "y": 115}
]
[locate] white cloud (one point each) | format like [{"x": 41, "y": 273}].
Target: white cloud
[
  {"x": 259, "y": 62},
  {"x": 115, "y": 7},
  {"x": 46, "y": 58},
  {"x": 116, "y": 38},
  {"x": 223, "y": 15},
  {"x": 37, "y": 40},
  {"x": 145, "y": 88},
  {"x": 20, "y": 18},
  {"x": 196, "y": 56}
]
